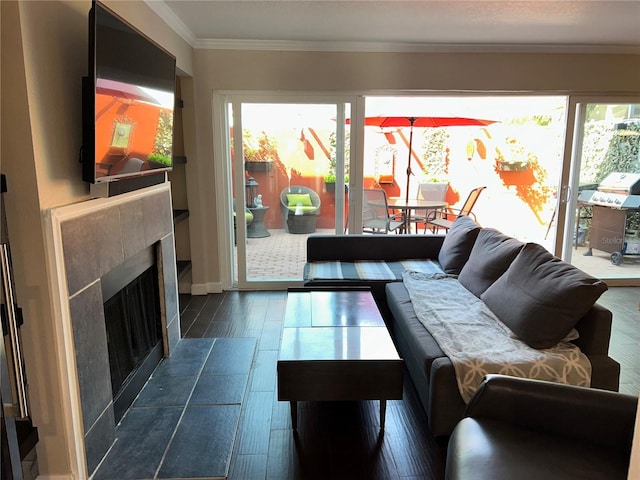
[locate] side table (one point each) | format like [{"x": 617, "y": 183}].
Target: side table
[{"x": 256, "y": 228}]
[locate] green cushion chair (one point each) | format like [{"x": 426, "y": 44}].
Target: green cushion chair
[{"x": 300, "y": 207}]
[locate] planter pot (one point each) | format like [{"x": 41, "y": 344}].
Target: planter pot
[
  {"x": 331, "y": 187},
  {"x": 512, "y": 167},
  {"x": 258, "y": 166},
  {"x": 153, "y": 165},
  {"x": 517, "y": 177}
]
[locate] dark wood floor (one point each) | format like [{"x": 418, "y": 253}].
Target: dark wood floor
[
  {"x": 624, "y": 347},
  {"x": 341, "y": 440}
]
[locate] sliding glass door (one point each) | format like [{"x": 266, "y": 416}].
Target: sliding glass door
[
  {"x": 602, "y": 229},
  {"x": 513, "y": 145},
  {"x": 289, "y": 166},
  {"x": 296, "y": 166}
]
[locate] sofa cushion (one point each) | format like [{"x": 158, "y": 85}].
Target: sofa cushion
[
  {"x": 457, "y": 244},
  {"x": 540, "y": 297},
  {"x": 491, "y": 255},
  {"x": 368, "y": 269}
]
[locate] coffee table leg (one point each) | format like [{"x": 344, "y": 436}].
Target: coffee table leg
[
  {"x": 294, "y": 414},
  {"x": 383, "y": 413}
]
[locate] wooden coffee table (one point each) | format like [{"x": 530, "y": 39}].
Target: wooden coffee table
[{"x": 335, "y": 346}]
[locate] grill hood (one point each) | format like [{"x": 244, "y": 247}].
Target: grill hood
[{"x": 618, "y": 182}]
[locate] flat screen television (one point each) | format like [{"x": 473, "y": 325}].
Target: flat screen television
[{"x": 128, "y": 101}]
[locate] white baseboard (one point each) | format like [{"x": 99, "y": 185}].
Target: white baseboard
[
  {"x": 205, "y": 288},
  {"x": 198, "y": 289}
]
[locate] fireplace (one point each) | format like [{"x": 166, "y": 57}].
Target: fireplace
[
  {"x": 133, "y": 324},
  {"x": 99, "y": 247}
]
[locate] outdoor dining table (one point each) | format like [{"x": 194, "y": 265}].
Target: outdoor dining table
[{"x": 408, "y": 205}]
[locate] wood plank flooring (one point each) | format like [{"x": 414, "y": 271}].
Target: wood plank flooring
[
  {"x": 341, "y": 440},
  {"x": 624, "y": 346}
]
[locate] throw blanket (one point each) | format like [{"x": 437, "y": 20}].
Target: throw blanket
[
  {"x": 478, "y": 343},
  {"x": 369, "y": 269}
]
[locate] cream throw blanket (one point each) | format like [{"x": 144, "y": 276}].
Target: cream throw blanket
[{"x": 478, "y": 343}]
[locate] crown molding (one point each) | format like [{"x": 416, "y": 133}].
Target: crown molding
[
  {"x": 171, "y": 19},
  {"x": 381, "y": 47}
]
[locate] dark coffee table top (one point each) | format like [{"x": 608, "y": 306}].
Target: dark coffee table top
[
  {"x": 340, "y": 308},
  {"x": 335, "y": 325}
]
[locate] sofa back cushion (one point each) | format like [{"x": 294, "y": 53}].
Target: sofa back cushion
[
  {"x": 491, "y": 255},
  {"x": 540, "y": 297},
  {"x": 457, "y": 245}
]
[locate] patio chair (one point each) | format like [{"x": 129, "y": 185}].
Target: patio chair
[
  {"x": 429, "y": 191},
  {"x": 300, "y": 207},
  {"x": 376, "y": 217},
  {"x": 448, "y": 217}
]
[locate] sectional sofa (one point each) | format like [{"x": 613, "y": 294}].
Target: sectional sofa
[
  {"x": 542, "y": 430},
  {"x": 529, "y": 298}
]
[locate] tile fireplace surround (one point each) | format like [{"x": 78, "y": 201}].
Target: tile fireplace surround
[{"x": 88, "y": 240}]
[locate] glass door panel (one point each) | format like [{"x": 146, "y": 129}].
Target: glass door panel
[
  {"x": 603, "y": 228},
  {"x": 518, "y": 156},
  {"x": 290, "y": 183}
]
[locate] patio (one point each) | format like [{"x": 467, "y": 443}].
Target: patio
[{"x": 280, "y": 256}]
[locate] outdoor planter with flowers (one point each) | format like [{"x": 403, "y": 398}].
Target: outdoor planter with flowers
[
  {"x": 260, "y": 155},
  {"x": 517, "y": 159}
]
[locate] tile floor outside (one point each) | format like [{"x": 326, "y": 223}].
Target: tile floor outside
[{"x": 280, "y": 256}]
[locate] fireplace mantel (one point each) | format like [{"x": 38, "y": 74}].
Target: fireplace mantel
[{"x": 86, "y": 240}]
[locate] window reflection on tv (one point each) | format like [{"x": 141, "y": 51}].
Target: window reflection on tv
[{"x": 133, "y": 128}]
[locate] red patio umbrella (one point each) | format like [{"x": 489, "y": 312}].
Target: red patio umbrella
[{"x": 423, "y": 122}]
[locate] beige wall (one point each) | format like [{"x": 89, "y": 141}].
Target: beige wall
[
  {"x": 44, "y": 56},
  {"x": 23, "y": 212},
  {"x": 227, "y": 70}
]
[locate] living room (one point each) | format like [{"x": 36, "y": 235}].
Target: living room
[{"x": 44, "y": 57}]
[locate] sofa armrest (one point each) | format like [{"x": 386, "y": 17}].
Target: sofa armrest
[
  {"x": 596, "y": 416},
  {"x": 349, "y": 248},
  {"x": 595, "y": 331}
]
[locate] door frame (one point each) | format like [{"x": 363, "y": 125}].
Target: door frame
[
  {"x": 568, "y": 182},
  {"x": 223, "y": 172}
]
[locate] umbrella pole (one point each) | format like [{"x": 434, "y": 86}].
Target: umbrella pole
[{"x": 409, "y": 173}]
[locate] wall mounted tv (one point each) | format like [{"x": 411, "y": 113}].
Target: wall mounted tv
[{"x": 128, "y": 102}]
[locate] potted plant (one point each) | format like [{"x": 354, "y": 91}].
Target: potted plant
[
  {"x": 159, "y": 159},
  {"x": 259, "y": 155},
  {"x": 519, "y": 159},
  {"x": 330, "y": 182}
]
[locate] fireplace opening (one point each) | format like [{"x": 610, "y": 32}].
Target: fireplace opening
[{"x": 134, "y": 328}]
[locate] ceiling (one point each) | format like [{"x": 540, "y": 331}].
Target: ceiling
[{"x": 534, "y": 25}]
